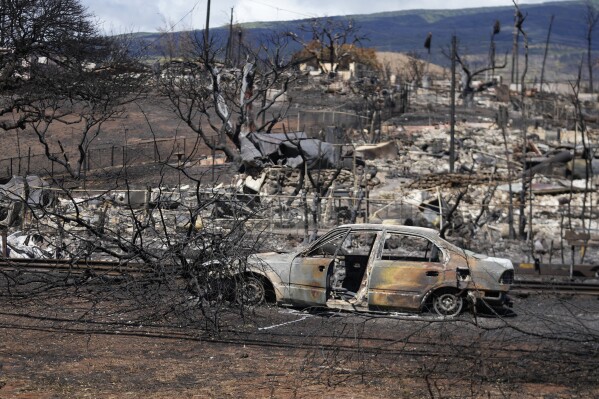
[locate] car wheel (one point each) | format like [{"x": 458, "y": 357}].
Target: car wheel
[
  {"x": 250, "y": 291},
  {"x": 448, "y": 304}
]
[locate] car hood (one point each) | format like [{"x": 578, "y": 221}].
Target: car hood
[
  {"x": 487, "y": 268},
  {"x": 275, "y": 261}
]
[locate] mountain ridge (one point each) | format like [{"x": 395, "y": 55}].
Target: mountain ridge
[{"x": 405, "y": 31}]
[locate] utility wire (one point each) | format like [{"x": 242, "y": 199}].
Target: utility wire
[
  {"x": 171, "y": 28},
  {"x": 284, "y": 9}
]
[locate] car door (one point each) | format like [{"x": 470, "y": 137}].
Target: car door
[
  {"x": 310, "y": 270},
  {"x": 405, "y": 269}
]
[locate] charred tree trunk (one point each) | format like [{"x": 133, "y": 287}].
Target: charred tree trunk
[{"x": 546, "y": 51}]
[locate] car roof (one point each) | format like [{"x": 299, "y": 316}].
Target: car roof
[{"x": 425, "y": 231}]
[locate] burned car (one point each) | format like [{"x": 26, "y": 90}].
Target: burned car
[{"x": 368, "y": 267}]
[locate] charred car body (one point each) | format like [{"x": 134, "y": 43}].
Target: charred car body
[{"x": 379, "y": 267}]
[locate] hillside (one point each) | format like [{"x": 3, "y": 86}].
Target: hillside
[{"x": 405, "y": 31}]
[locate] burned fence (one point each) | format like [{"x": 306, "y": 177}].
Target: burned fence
[
  {"x": 312, "y": 121},
  {"x": 166, "y": 150}
]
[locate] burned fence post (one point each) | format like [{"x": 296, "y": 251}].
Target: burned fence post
[
  {"x": 213, "y": 155},
  {"x": 304, "y": 194},
  {"x": 4, "y": 244},
  {"x": 367, "y": 214},
  {"x": 502, "y": 121},
  {"x": 148, "y": 199},
  {"x": 25, "y": 200},
  {"x": 280, "y": 211}
]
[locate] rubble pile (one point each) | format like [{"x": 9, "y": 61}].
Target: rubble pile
[
  {"x": 159, "y": 221},
  {"x": 556, "y": 190},
  {"x": 538, "y": 172},
  {"x": 286, "y": 181}
]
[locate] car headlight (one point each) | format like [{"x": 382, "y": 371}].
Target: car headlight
[{"x": 507, "y": 277}]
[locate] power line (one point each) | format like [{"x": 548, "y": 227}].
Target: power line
[
  {"x": 171, "y": 28},
  {"x": 284, "y": 9},
  {"x": 183, "y": 17}
]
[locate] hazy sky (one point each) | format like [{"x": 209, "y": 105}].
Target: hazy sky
[{"x": 121, "y": 16}]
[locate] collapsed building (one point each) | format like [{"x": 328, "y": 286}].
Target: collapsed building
[{"x": 534, "y": 180}]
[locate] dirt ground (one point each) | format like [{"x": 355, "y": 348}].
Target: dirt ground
[
  {"x": 62, "y": 352},
  {"x": 138, "y": 362},
  {"x": 46, "y": 364}
]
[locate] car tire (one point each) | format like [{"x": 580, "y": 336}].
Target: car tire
[
  {"x": 448, "y": 303},
  {"x": 250, "y": 291}
]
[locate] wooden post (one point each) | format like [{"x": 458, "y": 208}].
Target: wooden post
[
  {"x": 4, "y": 244},
  {"x": 207, "y": 31},
  {"x": 271, "y": 217},
  {"x": 572, "y": 263},
  {"x": 452, "y": 106},
  {"x": 25, "y": 201},
  {"x": 440, "y": 209},
  {"x": 229, "y": 52},
  {"x": 367, "y": 215},
  {"x": 280, "y": 211},
  {"x": 213, "y": 155},
  {"x": 546, "y": 50},
  {"x": 148, "y": 197}
]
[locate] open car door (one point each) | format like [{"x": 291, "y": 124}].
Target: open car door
[{"x": 311, "y": 269}]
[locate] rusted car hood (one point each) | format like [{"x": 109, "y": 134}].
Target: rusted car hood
[
  {"x": 273, "y": 262},
  {"x": 485, "y": 267}
]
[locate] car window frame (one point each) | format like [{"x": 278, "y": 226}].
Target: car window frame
[
  {"x": 443, "y": 261},
  {"x": 326, "y": 239}
]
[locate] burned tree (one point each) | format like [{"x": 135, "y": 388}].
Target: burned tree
[
  {"x": 496, "y": 31},
  {"x": 468, "y": 89},
  {"x": 519, "y": 19},
  {"x": 157, "y": 253},
  {"x": 546, "y": 50},
  {"x": 469, "y": 74},
  {"x": 416, "y": 68},
  {"x": 518, "y": 26},
  {"x": 223, "y": 104},
  {"x": 592, "y": 17},
  {"x": 332, "y": 41},
  {"x": 58, "y": 72}
]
